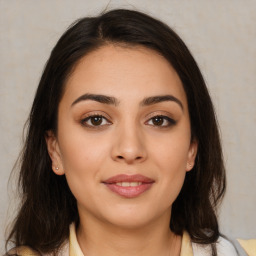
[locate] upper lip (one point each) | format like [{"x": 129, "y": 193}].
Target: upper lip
[{"x": 128, "y": 178}]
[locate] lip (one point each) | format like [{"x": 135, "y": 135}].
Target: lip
[{"x": 129, "y": 191}]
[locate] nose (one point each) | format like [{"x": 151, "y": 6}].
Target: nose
[{"x": 129, "y": 146}]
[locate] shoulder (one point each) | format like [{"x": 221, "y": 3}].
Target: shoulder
[
  {"x": 224, "y": 248},
  {"x": 28, "y": 251},
  {"x": 22, "y": 251}
]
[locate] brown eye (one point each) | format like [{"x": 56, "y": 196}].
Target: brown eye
[
  {"x": 161, "y": 121},
  {"x": 158, "y": 120},
  {"x": 94, "y": 120}
]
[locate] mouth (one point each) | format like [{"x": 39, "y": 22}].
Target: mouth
[{"x": 129, "y": 186}]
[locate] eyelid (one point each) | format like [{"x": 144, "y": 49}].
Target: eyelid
[
  {"x": 159, "y": 113},
  {"x": 96, "y": 113}
]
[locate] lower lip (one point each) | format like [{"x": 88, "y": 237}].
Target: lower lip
[{"x": 129, "y": 192}]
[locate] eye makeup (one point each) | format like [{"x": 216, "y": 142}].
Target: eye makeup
[{"x": 96, "y": 121}]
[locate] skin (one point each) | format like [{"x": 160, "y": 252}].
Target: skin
[{"x": 128, "y": 141}]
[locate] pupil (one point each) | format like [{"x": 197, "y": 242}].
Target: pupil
[
  {"x": 158, "y": 120},
  {"x": 96, "y": 120}
]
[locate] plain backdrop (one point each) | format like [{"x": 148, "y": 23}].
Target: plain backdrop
[{"x": 222, "y": 37}]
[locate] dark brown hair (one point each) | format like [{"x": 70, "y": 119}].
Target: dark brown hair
[{"x": 48, "y": 206}]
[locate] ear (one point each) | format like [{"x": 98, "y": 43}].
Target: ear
[
  {"x": 192, "y": 155},
  {"x": 54, "y": 153}
]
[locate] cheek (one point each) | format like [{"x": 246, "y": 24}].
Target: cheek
[
  {"x": 170, "y": 152},
  {"x": 82, "y": 157},
  {"x": 172, "y": 171},
  {"x": 171, "y": 178},
  {"x": 170, "y": 156},
  {"x": 79, "y": 149}
]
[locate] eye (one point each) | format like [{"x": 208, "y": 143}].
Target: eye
[
  {"x": 94, "y": 121},
  {"x": 161, "y": 121}
]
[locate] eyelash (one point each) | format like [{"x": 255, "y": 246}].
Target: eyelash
[{"x": 171, "y": 122}]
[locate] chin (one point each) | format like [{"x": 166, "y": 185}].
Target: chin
[
  {"x": 131, "y": 217},
  {"x": 130, "y": 223}
]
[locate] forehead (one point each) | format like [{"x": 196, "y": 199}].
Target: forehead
[{"x": 125, "y": 73}]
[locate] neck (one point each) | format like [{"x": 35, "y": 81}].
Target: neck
[{"x": 98, "y": 238}]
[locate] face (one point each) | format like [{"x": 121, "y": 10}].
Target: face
[{"x": 124, "y": 139}]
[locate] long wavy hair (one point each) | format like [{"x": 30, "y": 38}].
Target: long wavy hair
[{"x": 48, "y": 206}]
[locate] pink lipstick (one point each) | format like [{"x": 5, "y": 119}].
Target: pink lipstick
[{"x": 129, "y": 186}]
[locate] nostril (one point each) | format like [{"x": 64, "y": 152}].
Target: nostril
[{"x": 121, "y": 157}]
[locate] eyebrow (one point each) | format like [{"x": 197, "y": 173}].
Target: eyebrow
[{"x": 109, "y": 100}]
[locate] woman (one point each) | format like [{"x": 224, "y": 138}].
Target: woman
[{"x": 123, "y": 154}]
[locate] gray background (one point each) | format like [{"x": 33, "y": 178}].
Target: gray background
[{"x": 222, "y": 37}]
